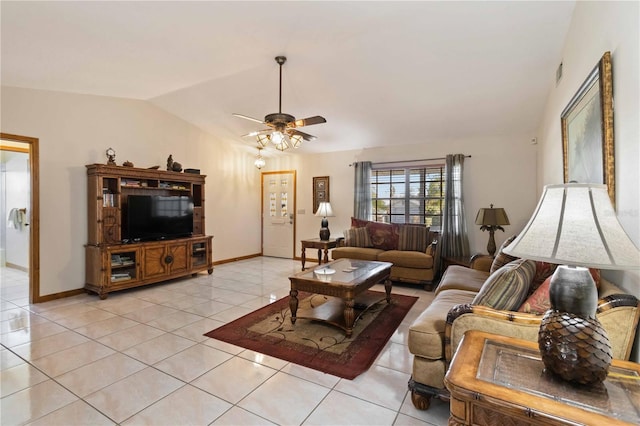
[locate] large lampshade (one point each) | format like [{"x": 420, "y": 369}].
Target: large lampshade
[{"x": 575, "y": 224}]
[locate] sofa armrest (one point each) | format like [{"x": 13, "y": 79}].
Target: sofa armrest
[
  {"x": 481, "y": 262},
  {"x": 617, "y": 313},
  {"x": 462, "y": 318}
]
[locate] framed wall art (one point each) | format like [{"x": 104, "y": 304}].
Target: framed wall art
[
  {"x": 320, "y": 191},
  {"x": 587, "y": 130}
]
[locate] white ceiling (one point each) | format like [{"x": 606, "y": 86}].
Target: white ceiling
[{"x": 381, "y": 73}]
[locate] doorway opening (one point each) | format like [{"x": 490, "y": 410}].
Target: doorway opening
[{"x": 20, "y": 210}]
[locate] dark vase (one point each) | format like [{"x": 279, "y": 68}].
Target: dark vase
[{"x": 573, "y": 344}]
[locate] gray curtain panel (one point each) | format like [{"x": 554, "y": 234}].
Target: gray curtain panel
[
  {"x": 362, "y": 190},
  {"x": 454, "y": 240}
]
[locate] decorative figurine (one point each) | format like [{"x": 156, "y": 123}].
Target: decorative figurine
[
  {"x": 177, "y": 167},
  {"x": 170, "y": 162},
  {"x": 127, "y": 164},
  {"x": 111, "y": 157}
]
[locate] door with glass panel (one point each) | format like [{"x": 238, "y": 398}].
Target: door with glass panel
[{"x": 278, "y": 213}]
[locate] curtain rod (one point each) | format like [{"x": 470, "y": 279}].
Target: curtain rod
[{"x": 412, "y": 161}]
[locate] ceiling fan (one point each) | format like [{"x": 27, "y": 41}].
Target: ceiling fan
[{"x": 282, "y": 131}]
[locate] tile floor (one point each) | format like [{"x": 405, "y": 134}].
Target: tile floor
[{"x": 140, "y": 358}]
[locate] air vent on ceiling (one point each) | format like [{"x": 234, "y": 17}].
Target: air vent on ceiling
[{"x": 559, "y": 73}]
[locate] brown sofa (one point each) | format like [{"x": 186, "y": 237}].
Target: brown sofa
[
  {"x": 391, "y": 243},
  {"x": 435, "y": 334}
]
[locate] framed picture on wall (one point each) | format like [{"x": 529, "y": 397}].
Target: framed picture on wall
[
  {"x": 320, "y": 191},
  {"x": 587, "y": 130}
]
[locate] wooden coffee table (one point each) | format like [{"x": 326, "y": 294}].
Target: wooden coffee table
[
  {"x": 345, "y": 280},
  {"x": 500, "y": 380}
]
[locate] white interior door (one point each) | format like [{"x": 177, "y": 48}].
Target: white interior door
[{"x": 278, "y": 214}]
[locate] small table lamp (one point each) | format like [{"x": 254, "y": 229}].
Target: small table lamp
[
  {"x": 324, "y": 211},
  {"x": 492, "y": 219},
  {"x": 575, "y": 224}
]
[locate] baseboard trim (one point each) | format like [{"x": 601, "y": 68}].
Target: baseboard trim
[
  {"x": 235, "y": 259},
  {"x": 55, "y": 296},
  {"x": 14, "y": 266}
]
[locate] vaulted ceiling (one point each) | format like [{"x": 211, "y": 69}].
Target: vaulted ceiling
[{"x": 381, "y": 73}]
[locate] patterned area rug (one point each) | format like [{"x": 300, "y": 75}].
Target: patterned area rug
[{"x": 316, "y": 344}]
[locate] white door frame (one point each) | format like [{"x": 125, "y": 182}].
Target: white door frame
[{"x": 263, "y": 175}]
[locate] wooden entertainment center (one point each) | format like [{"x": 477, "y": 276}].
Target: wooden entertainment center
[{"x": 114, "y": 263}]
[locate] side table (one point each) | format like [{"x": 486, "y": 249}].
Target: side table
[
  {"x": 320, "y": 245},
  {"x": 501, "y": 380}
]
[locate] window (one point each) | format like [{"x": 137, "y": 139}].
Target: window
[{"x": 408, "y": 195}]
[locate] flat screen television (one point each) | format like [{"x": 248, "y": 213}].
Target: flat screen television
[{"x": 158, "y": 217}]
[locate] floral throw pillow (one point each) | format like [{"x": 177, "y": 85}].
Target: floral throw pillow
[
  {"x": 383, "y": 236},
  {"x": 358, "y": 223},
  {"x": 538, "y": 303}
]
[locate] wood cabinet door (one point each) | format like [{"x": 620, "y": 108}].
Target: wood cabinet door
[
  {"x": 155, "y": 264},
  {"x": 180, "y": 259}
]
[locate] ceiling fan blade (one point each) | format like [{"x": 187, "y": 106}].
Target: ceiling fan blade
[
  {"x": 305, "y": 136},
  {"x": 249, "y": 118},
  {"x": 309, "y": 121},
  {"x": 258, "y": 132}
]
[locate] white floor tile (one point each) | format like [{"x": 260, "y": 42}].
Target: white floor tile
[
  {"x": 140, "y": 357},
  {"x": 198, "y": 408},
  {"x": 296, "y": 398},
  {"x": 234, "y": 379},
  {"x": 128, "y": 396},
  {"x": 338, "y": 408}
]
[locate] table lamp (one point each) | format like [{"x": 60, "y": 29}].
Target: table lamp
[
  {"x": 324, "y": 211},
  {"x": 576, "y": 226},
  {"x": 491, "y": 219}
]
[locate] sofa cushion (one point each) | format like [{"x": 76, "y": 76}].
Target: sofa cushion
[
  {"x": 383, "y": 236},
  {"x": 407, "y": 259},
  {"x": 508, "y": 287},
  {"x": 357, "y": 237},
  {"x": 462, "y": 278},
  {"x": 502, "y": 258},
  {"x": 413, "y": 237},
  {"x": 360, "y": 253},
  {"x": 427, "y": 331}
]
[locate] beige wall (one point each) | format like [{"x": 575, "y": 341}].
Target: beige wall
[
  {"x": 75, "y": 130},
  {"x": 598, "y": 27}
]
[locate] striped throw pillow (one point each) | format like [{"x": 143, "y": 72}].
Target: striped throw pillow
[
  {"x": 508, "y": 287},
  {"x": 357, "y": 237},
  {"x": 502, "y": 258},
  {"x": 413, "y": 238}
]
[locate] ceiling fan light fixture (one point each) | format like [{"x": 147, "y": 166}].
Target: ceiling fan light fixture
[
  {"x": 282, "y": 146},
  {"x": 277, "y": 137},
  {"x": 281, "y": 125},
  {"x": 259, "y": 163},
  {"x": 296, "y": 141},
  {"x": 263, "y": 140}
]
